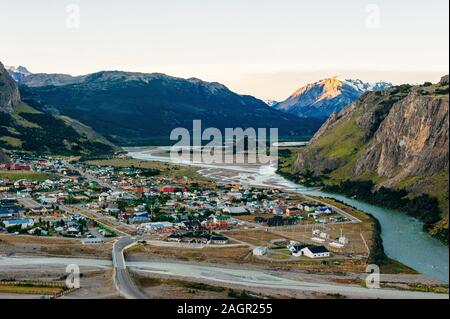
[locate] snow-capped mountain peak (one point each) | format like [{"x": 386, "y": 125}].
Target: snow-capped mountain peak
[
  {"x": 365, "y": 86},
  {"x": 18, "y": 72},
  {"x": 326, "y": 96}
]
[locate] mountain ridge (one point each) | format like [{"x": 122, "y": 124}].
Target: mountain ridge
[
  {"x": 130, "y": 107},
  {"x": 322, "y": 98},
  {"x": 24, "y": 128}
]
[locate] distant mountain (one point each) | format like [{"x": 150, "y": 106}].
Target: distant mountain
[
  {"x": 390, "y": 148},
  {"x": 271, "y": 102},
  {"x": 322, "y": 98},
  {"x": 24, "y": 128},
  {"x": 17, "y": 73},
  {"x": 137, "y": 108}
]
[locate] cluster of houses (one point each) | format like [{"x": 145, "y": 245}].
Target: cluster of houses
[
  {"x": 12, "y": 215},
  {"x": 173, "y": 207},
  {"x": 40, "y": 221}
]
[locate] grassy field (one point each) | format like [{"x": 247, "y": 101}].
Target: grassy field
[
  {"x": 25, "y": 175},
  {"x": 255, "y": 237},
  {"x": 14, "y": 142},
  {"x": 211, "y": 255},
  {"x": 50, "y": 246},
  {"x": 24, "y": 108},
  {"x": 30, "y": 289}
]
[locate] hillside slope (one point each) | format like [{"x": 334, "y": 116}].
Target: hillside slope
[
  {"x": 389, "y": 148},
  {"x": 24, "y": 128},
  {"x": 132, "y": 108},
  {"x": 324, "y": 97}
]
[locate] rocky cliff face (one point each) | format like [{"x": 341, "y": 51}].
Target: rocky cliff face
[
  {"x": 411, "y": 141},
  {"x": 9, "y": 91},
  {"x": 396, "y": 133},
  {"x": 397, "y": 138}
]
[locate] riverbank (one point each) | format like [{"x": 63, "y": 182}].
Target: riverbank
[
  {"x": 424, "y": 207},
  {"x": 403, "y": 238}
]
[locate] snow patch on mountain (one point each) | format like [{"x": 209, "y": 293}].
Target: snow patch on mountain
[{"x": 18, "y": 72}]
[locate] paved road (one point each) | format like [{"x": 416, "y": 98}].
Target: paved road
[
  {"x": 124, "y": 283},
  {"x": 122, "y": 279},
  {"x": 222, "y": 274},
  {"x": 257, "y": 278}
]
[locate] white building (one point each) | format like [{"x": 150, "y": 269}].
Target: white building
[
  {"x": 260, "y": 251},
  {"x": 235, "y": 210},
  {"x": 313, "y": 252},
  {"x": 91, "y": 241},
  {"x": 24, "y": 223},
  {"x": 50, "y": 200},
  {"x": 157, "y": 226}
]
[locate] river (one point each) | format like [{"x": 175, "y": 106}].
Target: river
[{"x": 402, "y": 235}]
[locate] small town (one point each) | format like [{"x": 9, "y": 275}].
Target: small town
[
  {"x": 146, "y": 214},
  {"x": 227, "y": 157},
  {"x": 89, "y": 202}
]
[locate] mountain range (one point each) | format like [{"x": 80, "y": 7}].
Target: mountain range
[
  {"x": 390, "y": 148},
  {"x": 24, "y": 128},
  {"x": 384, "y": 144},
  {"x": 321, "y": 99},
  {"x": 137, "y": 108}
]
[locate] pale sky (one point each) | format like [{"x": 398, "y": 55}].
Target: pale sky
[{"x": 265, "y": 48}]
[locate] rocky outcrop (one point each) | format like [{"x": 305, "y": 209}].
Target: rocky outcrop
[
  {"x": 411, "y": 141},
  {"x": 397, "y": 138},
  {"x": 27, "y": 129},
  {"x": 397, "y": 133},
  {"x": 9, "y": 91}
]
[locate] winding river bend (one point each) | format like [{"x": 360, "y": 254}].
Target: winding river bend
[{"x": 402, "y": 235}]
